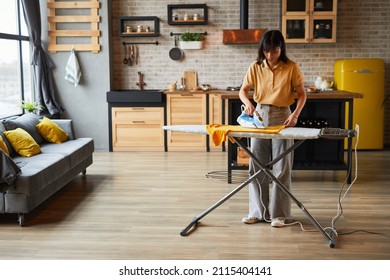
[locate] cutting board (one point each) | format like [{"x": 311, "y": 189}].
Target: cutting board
[{"x": 190, "y": 79}]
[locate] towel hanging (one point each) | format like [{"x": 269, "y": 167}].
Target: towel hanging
[{"x": 72, "y": 69}]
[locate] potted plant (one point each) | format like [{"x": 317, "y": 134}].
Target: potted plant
[
  {"x": 31, "y": 106},
  {"x": 191, "y": 41}
]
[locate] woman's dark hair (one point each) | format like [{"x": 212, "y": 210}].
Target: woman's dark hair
[{"x": 271, "y": 40}]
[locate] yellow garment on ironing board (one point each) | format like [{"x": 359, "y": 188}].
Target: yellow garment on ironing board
[{"x": 218, "y": 132}]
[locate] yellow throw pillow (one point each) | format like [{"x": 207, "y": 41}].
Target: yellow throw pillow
[
  {"x": 51, "y": 131},
  {"x": 22, "y": 142},
  {"x": 3, "y": 146}
]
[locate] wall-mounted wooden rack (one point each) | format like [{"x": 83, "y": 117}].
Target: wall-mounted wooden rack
[
  {"x": 178, "y": 34},
  {"x": 56, "y": 32},
  {"x": 140, "y": 43}
]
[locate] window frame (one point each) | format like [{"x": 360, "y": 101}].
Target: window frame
[{"x": 19, "y": 38}]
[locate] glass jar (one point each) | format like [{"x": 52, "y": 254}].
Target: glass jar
[{"x": 139, "y": 28}]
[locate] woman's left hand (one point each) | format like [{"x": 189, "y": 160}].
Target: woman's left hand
[{"x": 291, "y": 121}]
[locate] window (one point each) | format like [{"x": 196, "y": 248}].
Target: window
[{"x": 15, "y": 66}]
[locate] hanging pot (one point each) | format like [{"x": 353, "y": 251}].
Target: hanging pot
[{"x": 176, "y": 53}]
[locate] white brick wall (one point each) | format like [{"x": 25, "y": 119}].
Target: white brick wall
[{"x": 363, "y": 31}]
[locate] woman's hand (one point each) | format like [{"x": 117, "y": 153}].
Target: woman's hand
[
  {"x": 243, "y": 94},
  {"x": 291, "y": 121},
  {"x": 293, "y": 118},
  {"x": 249, "y": 109}
]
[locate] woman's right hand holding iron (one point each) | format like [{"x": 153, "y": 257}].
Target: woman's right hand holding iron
[{"x": 249, "y": 109}]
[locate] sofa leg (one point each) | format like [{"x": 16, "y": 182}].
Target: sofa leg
[
  {"x": 21, "y": 219},
  {"x": 84, "y": 172}
]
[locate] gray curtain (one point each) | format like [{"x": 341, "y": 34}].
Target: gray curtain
[{"x": 42, "y": 64}]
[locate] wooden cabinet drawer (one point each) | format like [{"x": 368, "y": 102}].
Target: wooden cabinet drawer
[
  {"x": 137, "y": 129},
  {"x": 137, "y": 115}
]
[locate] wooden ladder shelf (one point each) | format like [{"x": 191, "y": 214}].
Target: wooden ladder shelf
[{"x": 75, "y": 8}]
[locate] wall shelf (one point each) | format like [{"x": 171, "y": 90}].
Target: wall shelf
[
  {"x": 56, "y": 31},
  {"x": 183, "y": 14},
  {"x": 128, "y": 26}
]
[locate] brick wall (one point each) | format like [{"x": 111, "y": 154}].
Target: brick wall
[{"x": 363, "y": 32}]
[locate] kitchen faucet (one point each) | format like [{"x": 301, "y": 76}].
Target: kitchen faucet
[{"x": 140, "y": 83}]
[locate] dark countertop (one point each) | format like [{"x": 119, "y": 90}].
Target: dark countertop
[
  {"x": 226, "y": 94},
  {"x": 334, "y": 94}
]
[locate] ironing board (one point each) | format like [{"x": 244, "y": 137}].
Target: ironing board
[{"x": 296, "y": 133}]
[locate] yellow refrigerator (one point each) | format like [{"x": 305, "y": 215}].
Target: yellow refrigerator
[{"x": 365, "y": 76}]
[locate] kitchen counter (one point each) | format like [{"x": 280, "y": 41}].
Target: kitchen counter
[
  {"x": 229, "y": 94},
  {"x": 191, "y": 92},
  {"x": 334, "y": 94}
]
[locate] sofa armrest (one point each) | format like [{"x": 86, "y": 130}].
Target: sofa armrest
[{"x": 67, "y": 126}]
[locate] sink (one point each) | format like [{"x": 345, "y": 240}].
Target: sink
[{"x": 135, "y": 96}]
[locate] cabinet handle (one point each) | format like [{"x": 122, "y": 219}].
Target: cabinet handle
[
  {"x": 138, "y": 121},
  {"x": 138, "y": 108}
]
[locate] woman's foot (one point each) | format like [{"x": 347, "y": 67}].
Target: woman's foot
[
  {"x": 278, "y": 222},
  {"x": 251, "y": 220}
]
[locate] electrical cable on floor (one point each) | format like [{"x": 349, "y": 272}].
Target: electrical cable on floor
[
  {"x": 223, "y": 175},
  {"x": 364, "y": 231},
  {"x": 268, "y": 220},
  {"x": 341, "y": 197}
]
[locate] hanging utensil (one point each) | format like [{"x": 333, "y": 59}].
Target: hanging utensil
[
  {"x": 130, "y": 60},
  {"x": 176, "y": 53},
  {"x": 136, "y": 55},
  {"x": 125, "y": 60},
  {"x": 132, "y": 57}
]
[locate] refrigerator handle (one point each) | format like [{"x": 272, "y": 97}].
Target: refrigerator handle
[
  {"x": 368, "y": 71},
  {"x": 363, "y": 71}
]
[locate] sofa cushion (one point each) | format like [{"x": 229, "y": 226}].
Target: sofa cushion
[
  {"x": 51, "y": 132},
  {"x": 3, "y": 146},
  {"x": 28, "y": 122},
  {"x": 76, "y": 150},
  {"x": 39, "y": 171},
  {"x": 22, "y": 142},
  {"x": 9, "y": 146}
]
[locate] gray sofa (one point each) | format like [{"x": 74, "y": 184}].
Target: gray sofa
[{"x": 43, "y": 174}]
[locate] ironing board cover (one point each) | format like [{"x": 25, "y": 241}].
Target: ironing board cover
[{"x": 297, "y": 133}]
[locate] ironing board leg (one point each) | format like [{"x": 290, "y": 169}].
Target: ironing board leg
[
  {"x": 280, "y": 185},
  {"x": 194, "y": 222}
]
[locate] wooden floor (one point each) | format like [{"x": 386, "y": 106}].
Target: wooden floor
[{"x": 133, "y": 205}]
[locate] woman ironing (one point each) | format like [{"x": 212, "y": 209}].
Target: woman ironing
[{"x": 275, "y": 80}]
